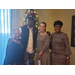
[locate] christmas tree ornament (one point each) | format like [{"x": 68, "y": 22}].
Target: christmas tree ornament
[
  {"x": 38, "y": 27},
  {"x": 36, "y": 16},
  {"x": 28, "y": 11},
  {"x": 31, "y": 13},
  {"x": 34, "y": 11},
  {"x": 36, "y": 22}
]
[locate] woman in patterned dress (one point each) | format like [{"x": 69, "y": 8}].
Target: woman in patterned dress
[
  {"x": 43, "y": 40},
  {"x": 61, "y": 52}
]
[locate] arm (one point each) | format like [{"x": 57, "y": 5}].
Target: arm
[
  {"x": 46, "y": 46},
  {"x": 5, "y": 56},
  {"x": 8, "y": 54},
  {"x": 9, "y": 41},
  {"x": 67, "y": 49},
  {"x": 9, "y": 44}
]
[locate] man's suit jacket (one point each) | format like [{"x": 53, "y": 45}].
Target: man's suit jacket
[{"x": 25, "y": 36}]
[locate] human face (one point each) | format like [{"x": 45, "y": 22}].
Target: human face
[
  {"x": 16, "y": 34},
  {"x": 42, "y": 27},
  {"x": 30, "y": 22},
  {"x": 57, "y": 28}
]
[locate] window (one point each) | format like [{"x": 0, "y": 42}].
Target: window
[{"x": 5, "y": 22}]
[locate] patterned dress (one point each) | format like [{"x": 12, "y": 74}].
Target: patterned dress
[
  {"x": 43, "y": 45},
  {"x": 60, "y": 48}
]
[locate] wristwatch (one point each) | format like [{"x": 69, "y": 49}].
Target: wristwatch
[{"x": 68, "y": 57}]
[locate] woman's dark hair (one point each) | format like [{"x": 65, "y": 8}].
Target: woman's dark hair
[
  {"x": 48, "y": 33},
  {"x": 44, "y": 23},
  {"x": 58, "y": 23}
]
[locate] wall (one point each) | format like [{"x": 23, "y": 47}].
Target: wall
[
  {"x": 22, "y": 11},
  {"x": 47, "y": 15},
  {"x": 65, "y": 15}
]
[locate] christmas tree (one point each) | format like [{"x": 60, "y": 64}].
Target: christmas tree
[{"x": 33, "y": 13}]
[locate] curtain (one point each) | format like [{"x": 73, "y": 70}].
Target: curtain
[
  {"x": 15, "y": 18},
  {"x": 5, "y": 25},
  {"x": 9, "y": 19}
]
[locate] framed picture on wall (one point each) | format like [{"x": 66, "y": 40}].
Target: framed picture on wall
[{"x": 73, "y": 32}]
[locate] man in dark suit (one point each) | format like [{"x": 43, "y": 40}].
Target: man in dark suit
[{"x": 28, "y": 38}]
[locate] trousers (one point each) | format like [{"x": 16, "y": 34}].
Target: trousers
[{"x": 30, "y": 57}]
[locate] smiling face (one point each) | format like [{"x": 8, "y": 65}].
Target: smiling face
[
  {"x": 16, "y": 34},
  {"x": 57, "y": 28},
  {"x": 42, "y": 27}
]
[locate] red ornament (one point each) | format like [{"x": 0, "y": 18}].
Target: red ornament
[
  {"x": 32, "y": 13},
  {"x": 28, "y": 14},
  {"x": 25, "y": 13}
]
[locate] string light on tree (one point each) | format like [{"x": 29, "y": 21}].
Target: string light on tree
[{"x": 33, "y": 13}]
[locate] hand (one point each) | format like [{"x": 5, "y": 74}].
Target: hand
[
  {"x": 67, "y": 61},
  {"x": 38, "y": 56},
  {"x": 40, "y": 53},
  {"x": 9, "y": 41}
]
